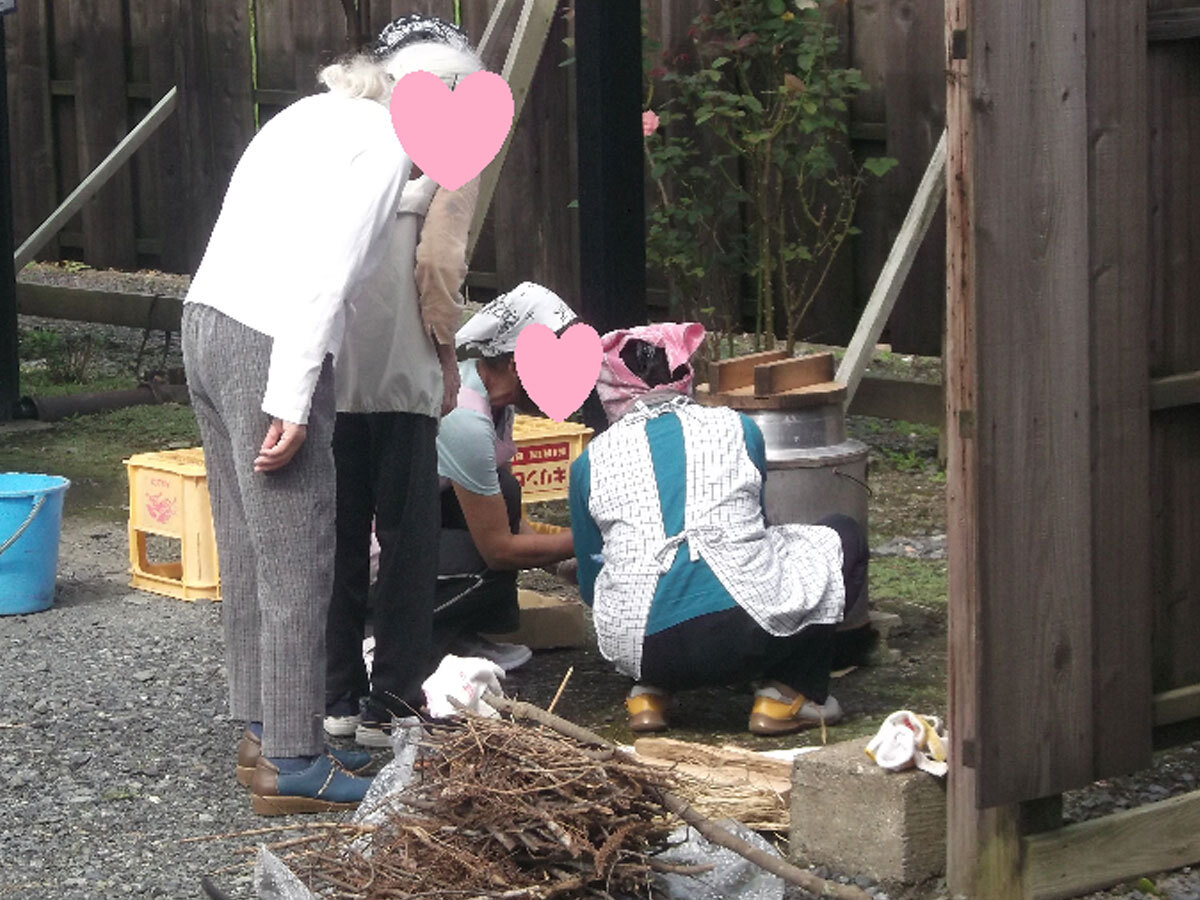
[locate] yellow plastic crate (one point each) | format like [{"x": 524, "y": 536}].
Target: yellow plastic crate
[
  {"x": 168, "y": 496},
  {"x": 545, "y": 450}
]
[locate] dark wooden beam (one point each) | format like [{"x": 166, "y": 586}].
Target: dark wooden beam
[
  {"x": 612, "y": 216},
  {"x": 10, "y": 366},
  {"x": 611, "y": 198},
  {"x": 1173, "y": 24},
  {"x": 1175, "y": 390}
]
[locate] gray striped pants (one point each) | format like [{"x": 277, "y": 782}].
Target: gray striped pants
[{"x": 275, "y": 532}]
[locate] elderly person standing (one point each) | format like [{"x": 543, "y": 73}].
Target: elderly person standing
[
  {"x": 689, "y": 585},
  {"x": 304, "y": 221},
  {"x": 395, "y": 376}
]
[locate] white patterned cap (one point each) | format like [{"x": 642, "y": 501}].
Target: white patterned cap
[
  {"x": 493, "y": 330},
  {"x": 418, "y": 29}
]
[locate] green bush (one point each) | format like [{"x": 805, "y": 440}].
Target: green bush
[{"x": 754, "y": 180}]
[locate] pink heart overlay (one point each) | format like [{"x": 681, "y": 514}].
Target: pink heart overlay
[
  {"x": 452, "y": 135},
  {"x": 558, "y": 373}
]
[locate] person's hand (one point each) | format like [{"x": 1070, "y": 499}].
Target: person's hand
[
  {"x": 451, "y": 380},
  {"x": 280, "y": 445}
]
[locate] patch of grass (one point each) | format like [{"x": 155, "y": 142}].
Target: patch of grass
[
  {"x": 899, "y": 581},
  {"x": 90, "y": 450},
  {"x": 39, "y": 343},
  {"x": 41, "y": 383}
]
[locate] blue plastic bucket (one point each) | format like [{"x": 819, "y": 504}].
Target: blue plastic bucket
[{"x": 30, "y": 524}]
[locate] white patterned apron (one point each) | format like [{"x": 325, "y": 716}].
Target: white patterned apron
[{"x": 786, "y": 577}]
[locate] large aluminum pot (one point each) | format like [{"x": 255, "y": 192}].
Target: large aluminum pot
[{"x": 812, "y": 468}]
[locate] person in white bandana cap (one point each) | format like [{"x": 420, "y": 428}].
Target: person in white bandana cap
[{"x": 483, "y": 536}]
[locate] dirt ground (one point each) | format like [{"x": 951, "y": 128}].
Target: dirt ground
[{"x": 907, "y": 580}]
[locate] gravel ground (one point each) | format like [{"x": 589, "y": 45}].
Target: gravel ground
[{"x": 113, "y": 720}]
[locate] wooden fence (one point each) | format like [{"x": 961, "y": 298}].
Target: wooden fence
[
  {"x": 1073, "y": 353},
  {"x": 82, "y": 72}
]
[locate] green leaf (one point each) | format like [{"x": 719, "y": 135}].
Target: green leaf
[
  {"x": 777, "y": 7},
  {"x": 719, "y": 61},
  {"x": 574, "y": 204},
  {"x": 880, "y": 165}
]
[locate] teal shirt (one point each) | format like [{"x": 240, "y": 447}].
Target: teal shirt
[
  {"x": 466, "y": 442},
  {"x": 688, "y": 589}
]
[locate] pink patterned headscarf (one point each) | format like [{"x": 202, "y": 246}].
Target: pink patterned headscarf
[{"x": 619, "y": 388}]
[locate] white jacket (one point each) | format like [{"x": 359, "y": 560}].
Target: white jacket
[{"x": 299, "y": 228}]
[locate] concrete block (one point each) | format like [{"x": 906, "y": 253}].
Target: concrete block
[
  {"x": 851, "y": 815},
  {"x": 547, "y": 623}
]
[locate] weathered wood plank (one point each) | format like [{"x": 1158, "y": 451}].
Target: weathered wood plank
[
  {"x": 728, "y": 374},
  {"x": 907, "y": 401},
  {"x": 160, "y": 172},
  {"x": 275, "y": 56},
  {"x": 876, "y": 215},
  {"x": 1032, "y": 417},
  {"x": 1119, "y": 284},
  {"x": 520, "y": 66},
  {"x": 1174, "y": 113},
  {"x": 101, "y": 107},
  {"x": 1175, "y": 390},
  {"x": 915, "y": 87},
  {"x": 32, "y": 164},
  {"x": 1178, "y": 705},
  {"x": 213, "y": 42},
  {"x": 965, "y": 824},
  {"x": 318, "y": 37},
  {"x": 538, "y": 181},
  {"x": 744, "y": 398},
  {"x": 1102, "y": 852},
  {"x": 869, "y": 54},
  {"x": 786, "y": 374},
  {"x": 1175, "y": 499},
  {"x": 1174, "y": 24},
  {"x": 100, "y": 307},
  {"x": 63, "y": 127}
]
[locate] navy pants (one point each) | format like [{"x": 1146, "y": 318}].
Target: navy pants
[{"x": 728, "y": 647}]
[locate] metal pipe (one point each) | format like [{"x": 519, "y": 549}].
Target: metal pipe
[{"x": 54, "y": 409}]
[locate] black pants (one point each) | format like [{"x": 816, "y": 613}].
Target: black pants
[
  {"x": 386, "y": 470},
  {"x": 487, "y": 601},
  {"x": 729, "y": 646}
]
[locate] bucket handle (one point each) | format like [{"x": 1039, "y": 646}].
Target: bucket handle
[
  {"x": 838, "y": 472},
  {"x": 37, "y": 505}
]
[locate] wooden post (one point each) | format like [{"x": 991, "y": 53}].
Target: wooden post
[
  {"x": 10, "y": 366},
  {"x": 963, "y": 825},
  {"x": 1049, "y": 632},
  {"x": 612, "y": 266}
]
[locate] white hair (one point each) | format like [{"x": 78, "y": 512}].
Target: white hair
[
  {"x": 365, "y": 76},
  {"x": 358, "y": 76}
]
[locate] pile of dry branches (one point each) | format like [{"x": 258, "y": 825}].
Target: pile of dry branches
[{"x": 501, "y": 810}]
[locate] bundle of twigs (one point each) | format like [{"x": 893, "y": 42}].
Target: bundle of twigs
[{"x": 506, "y": 811}]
